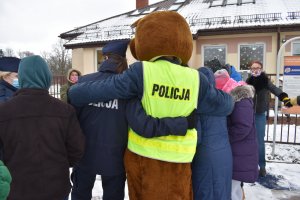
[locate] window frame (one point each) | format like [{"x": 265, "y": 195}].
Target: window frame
[
  {"x": 292, "y": 47},
  {"x": 239, "y": 54},
  {"x": 96, "y": 58},
  {"x": 213, "y": 45}
]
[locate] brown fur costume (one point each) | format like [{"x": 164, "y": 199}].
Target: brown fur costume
[{"x": 164, "y": 33}]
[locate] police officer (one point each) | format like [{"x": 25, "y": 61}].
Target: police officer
[{"x": 8, "y": 77}]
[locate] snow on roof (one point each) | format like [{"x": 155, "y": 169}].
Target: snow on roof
[{"x": 200, "y": 14}]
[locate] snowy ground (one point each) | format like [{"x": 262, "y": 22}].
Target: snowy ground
[
  {"x": 283, "y": 179},
  {"x": 281, "y": 183}
]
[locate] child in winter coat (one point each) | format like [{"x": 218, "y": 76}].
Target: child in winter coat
[
  {"x": 242, "y": 135},
  {"x": 235, "y": 75},
  {"x": 224, "y": 82}
]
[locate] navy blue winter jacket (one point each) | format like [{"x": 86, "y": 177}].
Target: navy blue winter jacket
[
  {"x": 129, "y": 85},
  {"x": 105, "y": 125}
]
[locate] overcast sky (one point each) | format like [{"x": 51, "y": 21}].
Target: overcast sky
[{"x": 34, "y": 25}]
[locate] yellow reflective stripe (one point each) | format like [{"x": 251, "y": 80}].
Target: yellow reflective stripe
[
  {"x": 180, "y": 145},
  {"x": 150, "y": 152}
]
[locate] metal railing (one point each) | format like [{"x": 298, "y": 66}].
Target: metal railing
[
  {"x": 257, "y": 17},
  {"x": 57, "y": 82},
  {"x": 288, "y": 126}
]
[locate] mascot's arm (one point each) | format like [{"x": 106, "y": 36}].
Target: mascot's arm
[
  {"x": 122, "y": 86},
  {"x": 148, "y": 127},
  {"x": 212, "y": 101}
]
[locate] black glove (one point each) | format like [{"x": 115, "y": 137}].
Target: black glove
[
  {"x": 285, "y": 99},
  {"x": 287, "y": 102},
  {"x": 191, "y": 119}
]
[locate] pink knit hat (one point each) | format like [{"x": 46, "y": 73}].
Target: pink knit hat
[{"x": 224, "y": 82}]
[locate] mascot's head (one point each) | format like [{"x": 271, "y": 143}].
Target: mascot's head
[{"x": 162, "y": 33}]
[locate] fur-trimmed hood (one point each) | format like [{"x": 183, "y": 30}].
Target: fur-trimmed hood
[{"x": 242, "y": 92}]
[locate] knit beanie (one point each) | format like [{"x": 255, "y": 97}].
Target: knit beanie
[{"x": 224, "y": 82}]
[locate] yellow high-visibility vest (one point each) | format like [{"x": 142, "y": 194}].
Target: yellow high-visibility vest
[{"x": 170, "y": 90}]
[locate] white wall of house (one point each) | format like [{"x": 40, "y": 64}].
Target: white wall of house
[{"x": 84, "y": 59}]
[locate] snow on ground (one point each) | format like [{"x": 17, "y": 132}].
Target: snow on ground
[
  {"x": 283, "y": 179},
  {"x": 281, "y": 183}
]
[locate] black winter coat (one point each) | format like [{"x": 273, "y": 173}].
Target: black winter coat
[
  {"x": 263, "y": 86},
  {"x": 41, "y": 139}
]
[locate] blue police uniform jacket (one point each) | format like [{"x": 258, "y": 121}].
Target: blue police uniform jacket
[
  {"x": 105, "y": 127},
  {"x": 129, "y": 85}
]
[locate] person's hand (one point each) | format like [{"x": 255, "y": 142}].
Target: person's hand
[
  {"x": 285, "y": 99},
  {"x": 191, "y": 119},
  {"x": 287, "y": 102}
]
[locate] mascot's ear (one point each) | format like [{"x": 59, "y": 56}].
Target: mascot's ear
[
  {"x": 132, "y": 48},
  {"x": 132, "y": 42},
  {"x": 135, "y": 23}
]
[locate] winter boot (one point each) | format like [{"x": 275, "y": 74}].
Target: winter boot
[{"x": 262, "y": 172}]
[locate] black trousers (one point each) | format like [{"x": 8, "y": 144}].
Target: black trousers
[{"x": 83, "y": 183}]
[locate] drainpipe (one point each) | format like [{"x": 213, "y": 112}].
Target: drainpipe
[{"x": 278, "y": 38}]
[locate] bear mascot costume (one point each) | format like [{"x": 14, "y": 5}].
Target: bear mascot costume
[
  {"x": 159, "y": 168},
  {"x": 168, "y": 176}
]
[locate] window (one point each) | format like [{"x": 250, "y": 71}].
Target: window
[
  {"x": 136, "y": 12},
  {"x": 174, "y": 7},
  {"x": 230, "y": 2},
  {"x": 213, "y": 53},
  {"x": 179, "y": 1},
  {"x": 217, "y": 3},
  {"x": 250, "y": 52},
  {"x": 149, "y": 10},
  {"x": 248, "y": 1},
  {"x": 296, "y": 48}
]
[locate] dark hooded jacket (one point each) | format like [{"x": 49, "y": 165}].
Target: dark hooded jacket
[
  {"x": 242, "y": 135},
  {"x": 40, "y": 135},
  {"x": 263, "y": 86}
]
